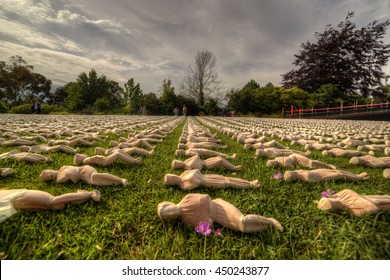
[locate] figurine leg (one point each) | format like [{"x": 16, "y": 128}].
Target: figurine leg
[
  {"x": 127, "y": 158},
  {"x": 219, "y": 161},
  {"x": 106, "y": 179},
  {"x": 315, "y": 164},
  {"x": 230, "y": 216}
]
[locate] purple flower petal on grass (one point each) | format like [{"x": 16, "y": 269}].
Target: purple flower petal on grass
[
  {"x": 277, "y": 176},
  {"x": 203, "y": 228},
  {"x": 217, "y": 232},
  {"x": 327, "y": 193}
]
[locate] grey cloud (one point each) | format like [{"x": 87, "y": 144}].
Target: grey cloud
[{"x": 152, "y": 40}]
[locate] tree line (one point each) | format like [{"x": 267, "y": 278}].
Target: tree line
[
  {"x": 90, "y": 93},
  {"x": 93, "y": 93},
  {"x": 343, "y": 65}
]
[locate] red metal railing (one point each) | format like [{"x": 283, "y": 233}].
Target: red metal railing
[{"x": 340, "y": 110}]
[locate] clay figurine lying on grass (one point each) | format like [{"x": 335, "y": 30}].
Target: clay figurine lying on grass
[
  {"x": 202, "y": 152},
  {"x": 84, "y": 173},
  {"x": 25, "y": 156},
  {"x": 358, "y": 205},
  {"x": 371, "y": 161},
  {"x": 196, "y": 162},
  {"x": 81, "y": 159},
  {"x": 319, "y": 175},
  {"x": 192, "y": 179},
  {"x": 295, "y": 160},
  {"x": 34, "y": 200},
  {"x": 195, "y": 208}
]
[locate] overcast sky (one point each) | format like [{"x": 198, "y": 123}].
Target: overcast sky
[{"x": 151, "y": 40}]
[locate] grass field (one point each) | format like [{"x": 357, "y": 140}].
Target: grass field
[{"x": 125, "y": 225}]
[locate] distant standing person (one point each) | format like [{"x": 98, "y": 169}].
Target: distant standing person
[
  {"x": 37, "y": 108},
  {"x": 32, "y": 107},
  {"x": 143, "y": 110},
  {"x": 184, "y": 110},
  {"x": 176, "y": 111}
]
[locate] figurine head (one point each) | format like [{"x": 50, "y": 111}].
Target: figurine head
[
  {"x": 181, "y": 146},
  {"x": 79, "y": 159},
  {"x": 99, "y": 151},
  {"x": 48, "y": 175},
  {"x": 168, "y": 210},
  {"x": 386, "y": 173},
  {"x": 328, "y": 204},
  {"x": 290, "y": 176},
  {"x": 171, "y": 179},
  {"x": 247, "y": 146},
  {"x": 308, "y": 146},
  {"x": 354, "y": 161},
  {"x": 260, "y": 153},
  {"x": 176, "y": 164},
  {"x": 113, "y": 143},
  {"x": 24, "y": 148},
  {"x": 180, "y": 152},
  {"x": 272, "y": 163}
]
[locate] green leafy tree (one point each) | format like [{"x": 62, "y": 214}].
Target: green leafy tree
[
  {"x": 251, "y": 85},
  {"x": 89, "y": 86},
  {"x": 191, "y": 104},
  {"x": 3, "y": 107},
  {"x": 387, "y": 95},
  {"x": 232, "y": 98},
  {"x": 87, "y": 89},
  {"x": 348, "y": 57},
  {"x": 151, "y": 103},
  {"x": 244, "y": 101},
  {"x": 112, "y": 93},
  {"x": 295, "y": 96},
  {"x": 168, "y": 98},
  {"x": 102, "y": 105},
  {"x": 74, "y": 102},
  {"x": 39, "y": 87},
  {"x": 14, "y": 78},
  {"x": 327, "y": 95},
  {"x": 212, "y": 106},
  {"x": 253, "y": 99},
  {"x": 267, "y": 100},
  {"x": 19, "y": 83},
  {"x": 133, "y": 96},
  {"x": 59, "y": 95}
]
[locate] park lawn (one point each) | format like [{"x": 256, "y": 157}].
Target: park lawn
[{"x": 125, "y": 225}]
